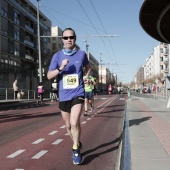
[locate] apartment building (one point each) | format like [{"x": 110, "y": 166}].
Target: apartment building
[
  {"x": 19, "y": 48},
  {"x": 57, "y": 43},
  {"x": 157, "y": 65}
]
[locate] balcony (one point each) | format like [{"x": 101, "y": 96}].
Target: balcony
[
  {"x": 29, "y": 57},
  {"x": 166, "y": 61},
  {"x": 166, "y": 70}
]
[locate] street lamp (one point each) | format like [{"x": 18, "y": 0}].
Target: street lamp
[
  {"x": 39, "y": 43},
  {"x": 101, "y": 70}
]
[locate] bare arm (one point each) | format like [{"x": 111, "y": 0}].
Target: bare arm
[
  {"x": 88, "y": 70},
  {"x": 54, "y": 73}
]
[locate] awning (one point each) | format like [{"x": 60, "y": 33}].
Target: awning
[{"x": 154, "y": 18}]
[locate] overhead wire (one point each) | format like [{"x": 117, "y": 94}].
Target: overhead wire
[{"x": 93, "y": 26}]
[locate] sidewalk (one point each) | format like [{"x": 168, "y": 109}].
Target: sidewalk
[
  {"x": 6, "y": 103},
  {"x": 149, "y": 128}
]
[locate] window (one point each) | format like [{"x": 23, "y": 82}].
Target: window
[
  {"x": 4, "y": 26},
  {"x": 4, "y": 8},
  {"x": 17, "y": 35},
  {"x": 17, "y": 17}
]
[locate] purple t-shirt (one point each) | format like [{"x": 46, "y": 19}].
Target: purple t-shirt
[{"x": 71, "y": 77}]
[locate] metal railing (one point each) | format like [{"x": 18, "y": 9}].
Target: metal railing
[{"x": 8, "y": 94}]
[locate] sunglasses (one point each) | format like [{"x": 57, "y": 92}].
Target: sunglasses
[{"x": 71, "y": 38}]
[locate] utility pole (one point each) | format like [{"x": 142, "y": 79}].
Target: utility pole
[
  {"x": 39, "y": 43},
  {"x": 101, "y": 71}
]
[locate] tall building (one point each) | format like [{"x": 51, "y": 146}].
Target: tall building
[{"x": 19, "y": 46}]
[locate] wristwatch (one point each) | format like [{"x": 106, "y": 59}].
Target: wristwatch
[{"x": 59, "y": 69}]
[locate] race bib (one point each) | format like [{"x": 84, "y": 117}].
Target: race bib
[{"x": 70, "y": 81}]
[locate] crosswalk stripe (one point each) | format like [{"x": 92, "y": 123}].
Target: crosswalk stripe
[
  {"x": 40, "y": 154},
  {"x": 16, "y": 153},
  {"x": 38, "y": 141},
  {"x": 57, "y": 141}
]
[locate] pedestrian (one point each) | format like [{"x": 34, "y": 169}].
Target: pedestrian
[
  {"x": 15, "y": 88},
  {"x": 54, "y": 90},
  {"x": 40, "y": 91},
  {"x": 68, "y": 65},
  {"x": 110, "y": 89},
  {"x": 88, "y": 81},
  {"x": 118, "y": 88}
]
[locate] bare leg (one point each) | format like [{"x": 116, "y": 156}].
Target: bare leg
[
  {"x": 66, "y": 118},
  {"x": 75, "y": 123},
  {"x": 85, "y": 104}
]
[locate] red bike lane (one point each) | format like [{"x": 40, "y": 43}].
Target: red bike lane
[{"x": 49, "y": 147}]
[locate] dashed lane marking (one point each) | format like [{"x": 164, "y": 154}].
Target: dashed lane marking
[
  {"x": 84, "y": 122},
  {"x": 16, "y": 153},
  {"x": 62, "y": 127},
  {"x": 121, "y": 99},
  {"x": 57, "y": 141},
  {"x": 38, "y": 141},
  {"x": 53, "y": 132},
  {"x": 40, "y": 154},
  {"x": 18, "y": 169},
  {"x": 88, "y": 118},
  {"x": 66, "y": 134}
]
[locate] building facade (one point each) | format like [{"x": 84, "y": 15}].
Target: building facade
[{"x": 19, "y": 45}]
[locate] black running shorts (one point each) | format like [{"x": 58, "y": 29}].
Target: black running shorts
[{"x": 67, "y": 105}]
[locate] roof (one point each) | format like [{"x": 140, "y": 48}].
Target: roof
[{"x": 154, "y": 18}]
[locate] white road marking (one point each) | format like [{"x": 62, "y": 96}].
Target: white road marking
[
  {"x": 38, "y": 141},
  {"x": 92, "y": 115},
  {"x": 53, "y": 132},
  {"x": 88, "y": 118},
  {"x": 66, "y": 134},
  {"x": 121, "y": 99},
  {"x": 19, "y": 169},
  {"x": 57, "y": 141},
  {"x": 40, "y": 154},
  {"x": 63, "y": 126},
  {"x": 84, "y": 122},
  {"x": 15, "y": 153}
]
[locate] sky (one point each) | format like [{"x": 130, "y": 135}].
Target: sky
[{"x": 112, "y": 28}]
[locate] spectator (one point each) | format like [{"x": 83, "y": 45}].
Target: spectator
[
  {"x": 40, "y": 91},
  {"x": 15, "y": 88}
]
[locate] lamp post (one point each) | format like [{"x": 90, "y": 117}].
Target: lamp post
[
  {"x": 101, "y": 70},
  {"x": 39, "y": 43}
]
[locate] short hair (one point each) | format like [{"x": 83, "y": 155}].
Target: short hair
[{"x": 70, "y": 30}]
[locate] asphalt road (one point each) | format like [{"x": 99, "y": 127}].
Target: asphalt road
[{"x": 33, "y": 136}]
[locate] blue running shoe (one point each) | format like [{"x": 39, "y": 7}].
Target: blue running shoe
[
  {"x": 79, "y": 148},
  {"x": 77, "y": 158}
]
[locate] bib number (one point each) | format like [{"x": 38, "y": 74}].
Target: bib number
[{"x": 70, "y": 81}]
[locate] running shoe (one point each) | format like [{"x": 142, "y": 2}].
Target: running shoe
[
  {"x": 80, "y": 147},
  {"x": 77, "y": 158}
]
